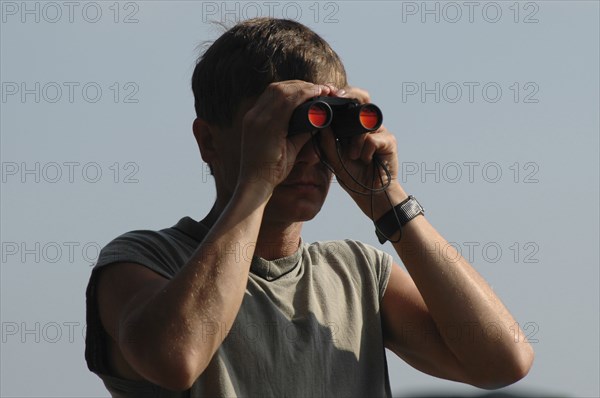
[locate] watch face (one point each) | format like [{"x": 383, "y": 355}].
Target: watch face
[{"x": 411, "y": 209}]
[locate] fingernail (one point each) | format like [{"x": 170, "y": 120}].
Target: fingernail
[{"x": 341, "y": 93}]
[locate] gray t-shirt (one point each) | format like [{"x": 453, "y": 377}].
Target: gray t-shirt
[{"x": 309, "y": 324}]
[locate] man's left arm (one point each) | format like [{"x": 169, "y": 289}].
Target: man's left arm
[
  {"x": 441, "y": 317},
  {"x": 444, "y": 319}
]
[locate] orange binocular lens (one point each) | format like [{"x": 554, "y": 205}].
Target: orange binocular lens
[
  {"x": 369, "y": 117},
  {"x": 318, "y": 115}
]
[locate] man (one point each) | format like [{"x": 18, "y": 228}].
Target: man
[{"x": 239, "y": 305}]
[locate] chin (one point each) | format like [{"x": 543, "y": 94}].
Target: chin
[
  {"x": 292, "y": 210},
  {"x": 307, "y": 216},
  {"x": 291, "y": 216}
]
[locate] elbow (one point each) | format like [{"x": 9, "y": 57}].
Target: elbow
[
  {"x": 510, "y": 372},
  {"x": 522, "y": 363},
  {"x": 501, "y": 380},
  {"x": 174, "y": 370},
  {"x": 179, "y": 373},
  {"x": 171, "y": 365},
  {"x": 178, "y": 378}
]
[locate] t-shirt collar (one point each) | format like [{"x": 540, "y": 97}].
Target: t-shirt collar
[{"x": 266, "y": 269}]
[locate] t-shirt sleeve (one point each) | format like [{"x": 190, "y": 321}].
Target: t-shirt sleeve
[{"x": 152, "y": 249}]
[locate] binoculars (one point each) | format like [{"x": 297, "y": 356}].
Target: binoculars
[{"x": 347, "y": 117}]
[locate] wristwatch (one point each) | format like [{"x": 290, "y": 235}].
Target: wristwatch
[{"x": 397, "y": 217}]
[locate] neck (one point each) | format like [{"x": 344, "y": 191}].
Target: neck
[{"x": 275, "y": 239}]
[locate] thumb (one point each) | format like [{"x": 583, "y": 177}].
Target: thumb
[{"x": 296, "y": 142}]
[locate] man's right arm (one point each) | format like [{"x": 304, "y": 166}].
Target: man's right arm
[
  {"x": 161, "y": 326},
  {"x": 168, "y": 330}
]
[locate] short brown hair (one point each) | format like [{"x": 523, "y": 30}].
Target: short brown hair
[{"x": 254, "y": 53}]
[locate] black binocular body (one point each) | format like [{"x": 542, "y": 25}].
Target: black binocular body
[{"x": 347, "y": 117}]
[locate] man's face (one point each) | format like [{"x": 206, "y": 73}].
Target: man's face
[
  {"x": 302, "y": 194},
  {"x": 298, "y": 198}
]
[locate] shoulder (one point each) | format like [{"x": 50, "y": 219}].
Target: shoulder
[
  {"x": 360, "y": 260},
  {"x": 350, "y": 251},
  {"x": 163, "y": 251},
  {"x": 145, "y": 236}
]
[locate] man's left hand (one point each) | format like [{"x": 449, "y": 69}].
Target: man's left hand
[{"x": 355, "y": 168}]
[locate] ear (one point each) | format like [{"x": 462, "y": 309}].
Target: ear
[{"x": 205, "y": 137}]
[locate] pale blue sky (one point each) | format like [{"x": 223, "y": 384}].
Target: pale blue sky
[{"x": 96, "y": 140}]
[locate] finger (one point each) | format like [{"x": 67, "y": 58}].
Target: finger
[
  {"x": 336, "y": 92},
  {"x": 333, "y": 89},
  {"x": 368, "y": 150},
  {"x": 361, "y": 95},
  {"x": 341, "y": 93},
  {"x": 275, "y": 106},
  {"x": 297, "y": 91},
  {"x": 377, "y": 143},
  {"x": 289, "y": 94},
  {"x": 297, "y": 141},
  {"x": 294, "y": 93}
]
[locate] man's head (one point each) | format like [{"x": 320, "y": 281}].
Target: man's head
[
  {"x": 253, "y": 54},
  {"x": 230, "y": 76}
]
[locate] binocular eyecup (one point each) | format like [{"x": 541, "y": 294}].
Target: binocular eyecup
[{"x": 347, "y": 117}]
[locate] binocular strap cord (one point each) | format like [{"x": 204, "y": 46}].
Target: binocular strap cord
[
  {"x": 368, "y": 190},
  {"x": 389, "y": 176},
  {"x": 378, "y": 166}
]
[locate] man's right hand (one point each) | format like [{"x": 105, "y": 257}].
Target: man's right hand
[{"x": 267, "y": 154}]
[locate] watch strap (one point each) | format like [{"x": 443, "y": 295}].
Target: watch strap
[{"x": 397, "y": 217}]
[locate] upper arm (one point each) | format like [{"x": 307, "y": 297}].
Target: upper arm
[
  {"x": 121, "y": 289},
  {"x": 411, "y": 333}
]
